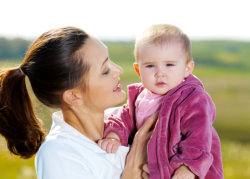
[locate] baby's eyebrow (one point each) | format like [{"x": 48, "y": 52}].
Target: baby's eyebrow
[
  {"x": 165, "y": 61},
  {"x": 170, "y": 61},
  {"x": 146, "y": 63}
]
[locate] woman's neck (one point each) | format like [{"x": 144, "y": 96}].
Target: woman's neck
[{"x": 87, "y": 122}]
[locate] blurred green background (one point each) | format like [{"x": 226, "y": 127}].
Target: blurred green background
[{"x": 223, "y": 67}]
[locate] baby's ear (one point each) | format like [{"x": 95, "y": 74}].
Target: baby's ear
[
  {"x": 189, "y": 68},
  {"x": 136, "y": 67}
]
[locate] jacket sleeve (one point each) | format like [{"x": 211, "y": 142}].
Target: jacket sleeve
[
  {"x": 194, "y": 148},
  {"x": 122, "y": 124}
]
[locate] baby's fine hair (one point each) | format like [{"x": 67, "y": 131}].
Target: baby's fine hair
[{"x": 163, "y": 34}]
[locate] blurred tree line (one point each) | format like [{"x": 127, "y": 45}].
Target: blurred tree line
[
  {"x": 224, "y": 54},
  {"x": 214, "y": 53},
  {"x": 13, "y": 48}
]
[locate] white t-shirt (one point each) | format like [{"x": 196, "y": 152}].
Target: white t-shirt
[{"x": 67, "y": 154}]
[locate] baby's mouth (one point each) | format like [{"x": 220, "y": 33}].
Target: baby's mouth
[{"x": 160, "y": 84}]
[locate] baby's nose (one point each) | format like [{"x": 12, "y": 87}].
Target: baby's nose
[{"x": 160, "y": 72}]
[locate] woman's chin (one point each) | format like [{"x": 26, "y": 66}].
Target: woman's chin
[
  {"x": 119, "y": 98},
  {"x": 123, "y": 96}
]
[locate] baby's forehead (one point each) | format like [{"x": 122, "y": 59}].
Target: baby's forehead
[
  {"x": 152, "y": 52},
  {"x": 166, "y": 41},
  {"x": 162, "y": 45}
]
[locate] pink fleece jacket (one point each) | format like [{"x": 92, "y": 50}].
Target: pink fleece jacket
[{"x": 183, "y": 133}]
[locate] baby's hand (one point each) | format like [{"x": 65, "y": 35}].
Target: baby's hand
[
  {"x": 110, "y": 145},
  {"x": 183, "y": 172}
]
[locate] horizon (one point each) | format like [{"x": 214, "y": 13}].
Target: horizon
[{"x": 128, "y": 40}]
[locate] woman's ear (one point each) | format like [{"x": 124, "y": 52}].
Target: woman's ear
[
  {"x": 72, "y": 97},
  {"x": 136, "y": 66},
  {"x": 189, "y": 68}
]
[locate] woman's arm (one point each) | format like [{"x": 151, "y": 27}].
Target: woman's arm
[{"x": 137, "y": 155}]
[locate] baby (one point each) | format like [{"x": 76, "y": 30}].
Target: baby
[{"x": 184, "y": 143}]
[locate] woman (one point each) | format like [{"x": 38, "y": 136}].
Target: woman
[{"x": 70, "y": 70}]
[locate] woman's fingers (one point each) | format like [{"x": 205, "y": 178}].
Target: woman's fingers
[
  {"x": 137, "y": 155},
  {"x": 146, "y": 130},
  {"x": 145, "y": 168},
  {"x": 154, "y": 116},
  {"x": 145, "y": 175},
  {"x": 149, "y": 124},
  {"x": 145, "y": 171}
]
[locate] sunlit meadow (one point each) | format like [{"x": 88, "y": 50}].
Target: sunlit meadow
[{"x": 229, "y": 87}]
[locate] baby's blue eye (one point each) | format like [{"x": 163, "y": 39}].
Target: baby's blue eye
[{"x": 149, "y": 66}]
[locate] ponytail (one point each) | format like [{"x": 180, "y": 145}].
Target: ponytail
[
  {"x": 53, "y": 64},
  {"x": 18, "y": 123}
]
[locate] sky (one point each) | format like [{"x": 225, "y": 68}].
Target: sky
[{"x": 125, "y": 19}]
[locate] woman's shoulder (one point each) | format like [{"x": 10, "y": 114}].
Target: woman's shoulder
[
  {"x": 51, "y": 147},
  {"x": 59, "y": 156},
  {"x": 62, "y": 158}
]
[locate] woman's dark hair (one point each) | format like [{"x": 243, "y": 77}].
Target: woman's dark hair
[{"x": 53, "y": 63}]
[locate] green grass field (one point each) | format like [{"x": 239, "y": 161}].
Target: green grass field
[
  {"x": 229, "y": 87},
  {"x": 236, "y": 160}
]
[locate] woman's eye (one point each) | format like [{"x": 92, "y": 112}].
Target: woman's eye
[
  {"x": 106, "y": 72},
  {"x": 149, "y": 66}
]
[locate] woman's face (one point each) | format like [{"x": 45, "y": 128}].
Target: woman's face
[{"x": 103, "y": 79}]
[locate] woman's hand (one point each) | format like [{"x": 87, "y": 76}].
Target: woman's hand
[
  {"x": 145, "y": 171},
  {"x": 137, "y": 155}
]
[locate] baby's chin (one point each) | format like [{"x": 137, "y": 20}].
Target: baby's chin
[{"x": 160, "y": 92}]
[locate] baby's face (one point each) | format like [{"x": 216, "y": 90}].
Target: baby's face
[{"x": 163, "y": 67}]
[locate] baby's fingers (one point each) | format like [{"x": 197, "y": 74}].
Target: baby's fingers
[
  {"x": 114, "y": 148},
  {"x": 100, "y": 143},
  {"x": 103, "y": 144},
  {"x": 109, "y": 145}
]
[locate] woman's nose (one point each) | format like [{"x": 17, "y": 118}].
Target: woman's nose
[{"x": 118, "y": 70}]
